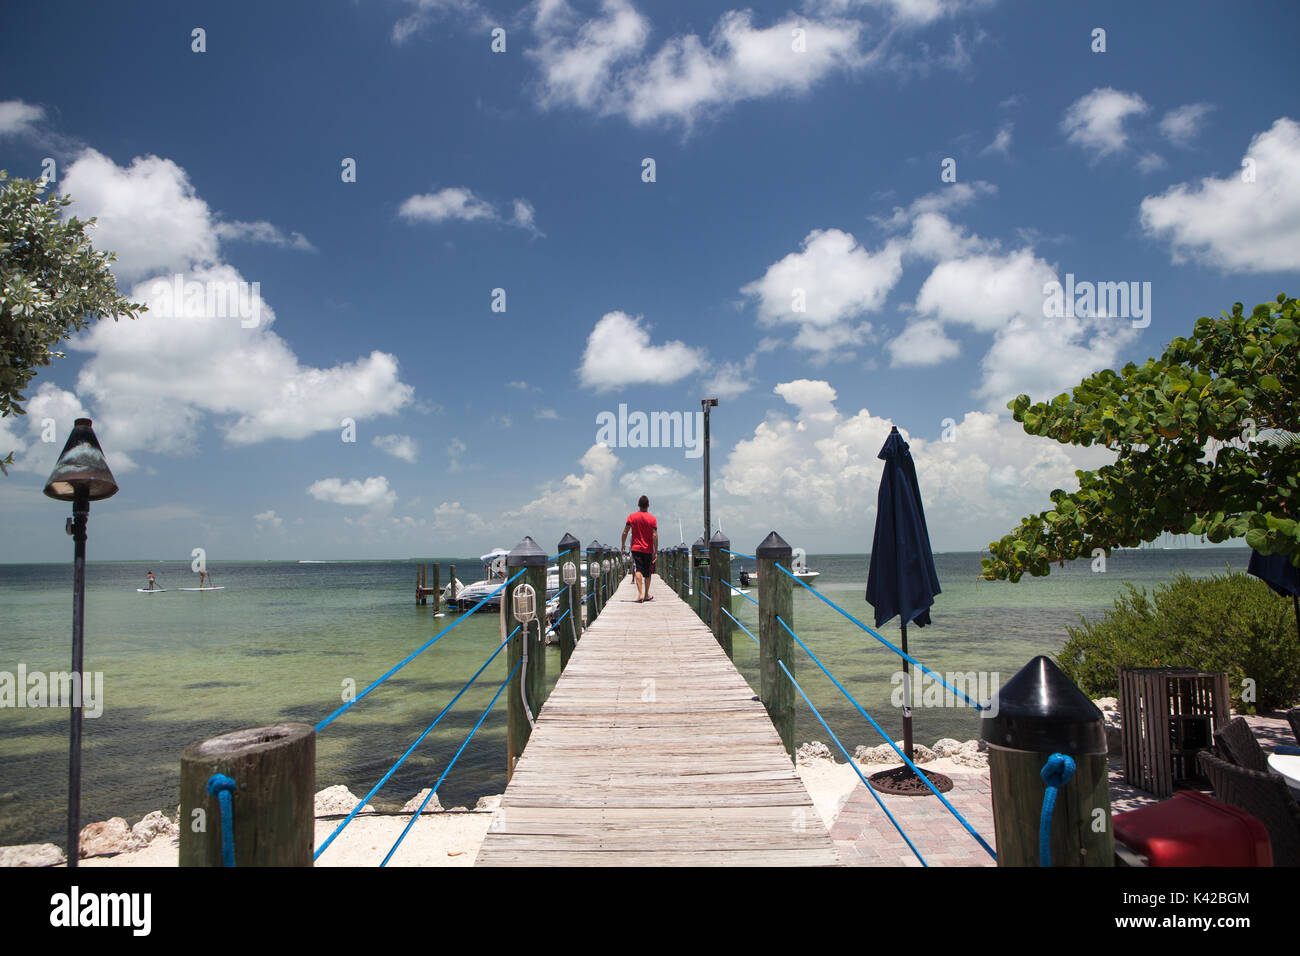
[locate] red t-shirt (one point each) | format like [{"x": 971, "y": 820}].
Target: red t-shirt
[{"x": 643, "y": 530}]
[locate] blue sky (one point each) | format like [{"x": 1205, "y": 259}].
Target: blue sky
[{"x": 787, "y": 164}]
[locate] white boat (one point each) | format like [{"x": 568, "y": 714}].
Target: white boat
[
  {"x": 749, "y": 579},
  {"x": 463, "y": 597}
]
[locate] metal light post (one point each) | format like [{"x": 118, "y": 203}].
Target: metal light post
[
  {"x": 81, "y": 476},
  {"x": 706, "y": 404}
]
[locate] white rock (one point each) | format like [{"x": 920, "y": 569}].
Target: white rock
[
  {"x": 1107, "y": 704},
  {"x": 414, "y": 803},
  {"x": 973, "y": 753},
  {"x": 886, "y": 754},
  {"x": 31, "y": 854},
  {"x": 813, "y": 750},
  {"x": 153, "y": 825},
  {"x": 492, "y": 802},
  {"x": 338, "y": 799},
  {"x": 946, "y": 747},
  {"x": 107, "y": 836}
]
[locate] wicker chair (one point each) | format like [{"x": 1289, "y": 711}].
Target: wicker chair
[
  {"x": 1237, "y": 744},
  {"x": 1293, "y": 716},
  {"x": 1265, "y": 797}
]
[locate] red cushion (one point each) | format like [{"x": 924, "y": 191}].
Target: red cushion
[{"x": 1193, "y": 829}]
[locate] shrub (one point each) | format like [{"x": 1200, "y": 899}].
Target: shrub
[{"x": 1230, "y": 623}]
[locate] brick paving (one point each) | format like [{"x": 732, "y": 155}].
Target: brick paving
[{"x": 865, "y": 837}]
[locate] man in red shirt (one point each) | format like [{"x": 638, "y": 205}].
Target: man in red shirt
[{"x": 645, "y": 545}]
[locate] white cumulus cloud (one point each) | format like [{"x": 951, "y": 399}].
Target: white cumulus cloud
[
  {"x": 371, "y": 493},
  {"x": 1233, "y": 224},
  {"x": 619, "y": 353},
  {"x": 1095, "y": 121}
]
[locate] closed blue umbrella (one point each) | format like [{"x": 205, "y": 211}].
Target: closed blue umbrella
[
  {"x": 1277, "y": 571},
  {"x": 901, "y": 580}
]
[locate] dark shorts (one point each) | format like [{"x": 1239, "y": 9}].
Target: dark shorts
[{"x": 645, "y": 562}]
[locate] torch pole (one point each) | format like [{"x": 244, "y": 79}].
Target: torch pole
[{"x": 80, "y": 514}]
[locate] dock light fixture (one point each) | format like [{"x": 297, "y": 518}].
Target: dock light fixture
[{"x": 81, "y": 475}]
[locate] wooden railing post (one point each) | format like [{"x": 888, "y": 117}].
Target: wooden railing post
[
  {"x": 719, "y": 575},
  {"x": 684, "y": 572},
  {"x": 698, "y": 574},
  {"x": 419, "y": 584},
  {"x": 531, "y": 677},
  {"x": 593, "y": 581},
  {"x": 273, "y": 803},
  {"x": 1037, "y": 713},
  {"x": 437, "y": 586},
  {"x": 568, "y": 630},
  {"x": 776, "y": 599}
]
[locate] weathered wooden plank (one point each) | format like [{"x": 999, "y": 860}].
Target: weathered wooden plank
[{"x": 653, "y": 751}]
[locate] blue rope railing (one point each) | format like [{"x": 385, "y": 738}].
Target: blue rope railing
[
  {"x": 741, "y": 593},
  {"x": 420, "y": 809},
  {"x": 410, "y": 750},
  {"x": 870, "y": 788},
  {"x": 738, "y": 554},
  {"x": 412, "y": 656},
  {"x": 741, "y": 626},
  {"x": 899, "y": 651},
  {"x": 907, "y": 760},
  {"x": 223, "y": 787}
]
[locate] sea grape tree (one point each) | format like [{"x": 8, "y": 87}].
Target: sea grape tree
[
  {"x": 53, "y": 283},
  {"x": 1204, "y": 440}
]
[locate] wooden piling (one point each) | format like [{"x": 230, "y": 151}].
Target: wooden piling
[
  {"x": 698, "y": 575},
  {"x": 776, "y": 599},
  {"x": 593, "y": 581},
  {"x": 419, "y": 584},
  {"x": 570, "y": 629},
  {"x": 273, "y": 805},
  {"x": 719, "y": 575},
  {"x": 437, "y": 590},
  {"x": 1038, "y": 713},
  {"x": 532, "y": 676}
]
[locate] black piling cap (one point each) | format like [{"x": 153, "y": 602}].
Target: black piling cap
[
  {"x": 698, "y": 546},
  {"x": 568, "y": 543},
  {"x": 526, "y": 554},
  {"x": 594, "y": 546},
  {"x": 773, "y": 546},
  {"x": 681, "y": 548},
  {"x": 1042, "y": 711},
  {"x": 719, "y": 540}
]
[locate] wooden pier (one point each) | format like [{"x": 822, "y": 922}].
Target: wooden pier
[{"x": 653, "y": 750}]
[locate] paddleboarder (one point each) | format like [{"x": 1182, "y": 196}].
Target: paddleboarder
[{"x": 152, "y": 583}]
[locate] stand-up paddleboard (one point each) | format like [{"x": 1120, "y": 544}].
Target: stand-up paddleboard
[
  {"x": 150, "y": 590},
  {"x": 218, "y": 588}
]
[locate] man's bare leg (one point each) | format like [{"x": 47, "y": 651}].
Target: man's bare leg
[{"x": 639, "y": 596}]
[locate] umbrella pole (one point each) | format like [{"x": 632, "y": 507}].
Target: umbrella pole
[
  {"x": 1296, "y": 599},
  {"x": 907, "y": 702}
]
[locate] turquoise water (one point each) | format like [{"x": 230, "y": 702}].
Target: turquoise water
[{"x": 280, "y": 642}]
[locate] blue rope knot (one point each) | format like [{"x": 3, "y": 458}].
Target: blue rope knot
[
  {"x": 1056, "y": 773},
  {"x": 223, "y": 787}
]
